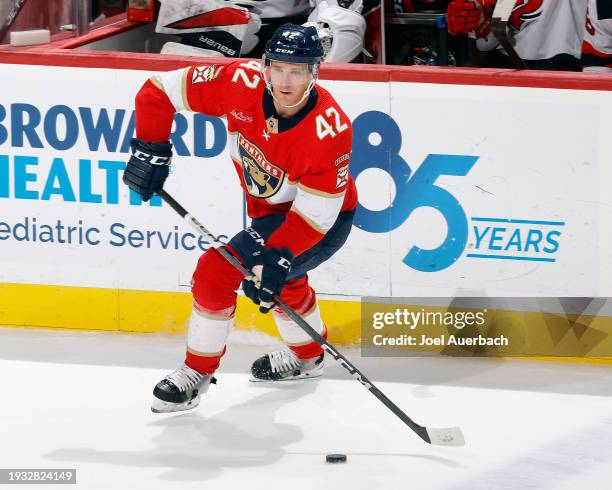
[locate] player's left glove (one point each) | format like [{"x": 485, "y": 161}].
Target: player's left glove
[{"x": 271, "y": 274}]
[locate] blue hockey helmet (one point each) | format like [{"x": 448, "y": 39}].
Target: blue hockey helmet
[{"x": 295, "y": 44}]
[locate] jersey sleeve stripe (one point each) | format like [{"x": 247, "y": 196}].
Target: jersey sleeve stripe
[
  {"x": 317, "y": 192},
  {"x": 318, "y": 211},
  {"x": 174, "y": 83},
  {"x": 157, "y": 82},
  {"x": 184, "y": 90},
  {"x": 309, "y": 221}
]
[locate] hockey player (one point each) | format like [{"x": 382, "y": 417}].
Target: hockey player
[
  {"x": 597, "y": 45},
  {"x": 290, "y": 144},
  {"x": 546, "y": 34},
  {"x": 242, "y": 28}
]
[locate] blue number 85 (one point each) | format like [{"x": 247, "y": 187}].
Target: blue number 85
[{"x": 413, "y": 190}]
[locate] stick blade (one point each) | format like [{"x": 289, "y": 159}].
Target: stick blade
[{"x": 446, "y": 437}]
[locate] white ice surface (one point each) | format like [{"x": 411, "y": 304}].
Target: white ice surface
[{"x": 81, "y": 400}]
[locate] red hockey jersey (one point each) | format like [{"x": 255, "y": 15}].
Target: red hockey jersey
[{"x": 297, "y": 166}]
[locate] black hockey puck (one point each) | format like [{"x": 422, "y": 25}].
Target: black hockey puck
[{"x": 335, "y": 458}]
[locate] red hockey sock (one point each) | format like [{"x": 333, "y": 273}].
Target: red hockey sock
[
  {"x": 203, "y": 364},
  {"x": 309, "y": 350}
]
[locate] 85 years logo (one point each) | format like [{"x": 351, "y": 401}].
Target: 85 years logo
[
  {"x": 497, "y": 238},
  {"x": 413, "y": 190}
]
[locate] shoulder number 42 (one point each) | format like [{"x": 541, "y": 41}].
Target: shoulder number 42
[
  {"x": 241, "y": 75},
  {"x": 324, "y": 127}
]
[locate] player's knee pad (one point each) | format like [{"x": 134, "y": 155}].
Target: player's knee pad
[
  {"x": 291, "y": 333},
  {"x": 208, "y": 331},
  {"x": 215, "y": 282}
]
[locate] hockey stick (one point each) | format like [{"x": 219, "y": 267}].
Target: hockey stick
[
  {"x": 10, "y": 18},
  {"x": 442, "y": 437},
  {"x": 501, "y": 14}
]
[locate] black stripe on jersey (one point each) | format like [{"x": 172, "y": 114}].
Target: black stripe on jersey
[{"x": 594, "y": 60}]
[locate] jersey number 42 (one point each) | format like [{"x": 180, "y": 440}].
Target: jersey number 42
[{"x": 324, "y": 125}]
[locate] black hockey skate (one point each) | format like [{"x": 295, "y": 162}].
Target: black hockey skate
[
  {"x": 180, "y": 390},
  {"x": 284, "y": 365}
]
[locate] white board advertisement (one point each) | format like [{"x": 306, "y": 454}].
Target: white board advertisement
[{"x": 463, "y": 189}]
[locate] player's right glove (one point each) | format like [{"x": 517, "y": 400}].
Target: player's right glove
[
  {"x": 270, "y": 276},
  {"x": 470, "y": 16},
  {"x": 148, "y": 167}
]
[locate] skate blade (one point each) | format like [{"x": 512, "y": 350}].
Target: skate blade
[
  {"x": 160, "y": 406},
  {"x": 301, "y": 377}
]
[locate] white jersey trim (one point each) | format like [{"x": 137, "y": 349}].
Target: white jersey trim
[
  {"x": 175, "y": 86},
  {"x": 319, "y": 211}
]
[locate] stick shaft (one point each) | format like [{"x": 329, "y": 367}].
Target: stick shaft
[
  {"x": 501, "y": 33},
  {"x": 501, "y": 15},
  {"x": 10, "y": 18},
  {"x": 327, "y": 347}
]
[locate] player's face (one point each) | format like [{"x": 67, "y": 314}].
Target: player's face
[{"x": 289, "y": 81}]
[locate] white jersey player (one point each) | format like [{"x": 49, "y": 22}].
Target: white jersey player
[
  {"x": 546, "y": 34},
  {"x": 597, "y": 45},
  {"x": 241, "y": 28}
]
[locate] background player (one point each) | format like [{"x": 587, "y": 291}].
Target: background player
[
  {"x": 597, "y": 44},
  {"x": 546, "y": 34},
  {"x": 290, "y": 144},
  {"x": 217, "y": 28}
]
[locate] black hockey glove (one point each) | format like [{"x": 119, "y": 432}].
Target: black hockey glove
[
  {"x": 272, "y": 274},
  {"x": 148, "y": 167},
  {"x": 251, "y": 291}
]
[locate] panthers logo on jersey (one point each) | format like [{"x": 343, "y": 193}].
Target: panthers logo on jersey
[{"x": 262, "y": 178}]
